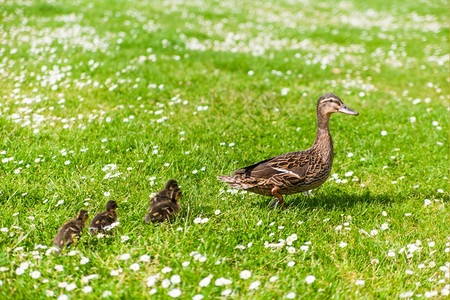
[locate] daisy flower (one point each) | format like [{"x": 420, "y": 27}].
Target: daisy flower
[
  {"x": 245, "y": 274},
  {"x": 310, "y": 279}
]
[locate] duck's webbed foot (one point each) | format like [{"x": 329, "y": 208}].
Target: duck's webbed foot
[{"x": 278, "y": 199}]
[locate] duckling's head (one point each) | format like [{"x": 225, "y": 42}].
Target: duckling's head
[
  {"x": 171, "y": 184},
  {"x": 83, "y": 215},
  {"x": 176, "y": 194},
  {"x": 111, "y": 205},
  {"x": 330, "y": 103}
]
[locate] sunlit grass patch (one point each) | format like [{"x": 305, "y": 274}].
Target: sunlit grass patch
[{"x": 104, "y": 102}]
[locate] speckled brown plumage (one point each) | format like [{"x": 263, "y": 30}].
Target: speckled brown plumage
[
  {"x": 166, "y": 193},
  {"x": 297, "y": 171},
  {"x": 71, "y": 231},
  {"x": 101, "y": 221},
  {"x": 164, "y": 208}
]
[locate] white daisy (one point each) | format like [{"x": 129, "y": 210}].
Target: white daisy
[
  {"x": 144, "y": 258},
  {"x": 310, "y": 279},
  {"x": 254, "y": 285},
  {"x": 245, "y": 274},
  {"x": 175, "y": 293}
]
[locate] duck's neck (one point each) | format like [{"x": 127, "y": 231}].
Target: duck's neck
[{"x": 323, "y": 141}]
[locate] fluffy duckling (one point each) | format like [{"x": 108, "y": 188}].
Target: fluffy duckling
[
  {"x": 165, "y": 208},
  {"x": 104, "y": 219},
  {"x": 71, "y": 231},
  {"x": 166, "y": 193}
]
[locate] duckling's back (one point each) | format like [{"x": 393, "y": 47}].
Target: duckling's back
[
  {"x": 102, "y": 220},
  {"x": 162, "y": 210},
  {"x": 68, "y": 233}
]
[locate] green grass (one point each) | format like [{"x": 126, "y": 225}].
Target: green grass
[{"x": 113, "y": 81}]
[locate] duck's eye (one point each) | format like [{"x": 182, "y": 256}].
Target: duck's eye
[{"x": 332, "y": 101}]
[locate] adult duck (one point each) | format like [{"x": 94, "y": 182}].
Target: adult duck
[{"x": 298, "y": 171}]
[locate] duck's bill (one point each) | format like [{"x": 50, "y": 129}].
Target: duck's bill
[{"x": 345, "y": 110}]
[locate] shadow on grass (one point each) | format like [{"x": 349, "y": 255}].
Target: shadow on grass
[{"x": 332, "y": 200}]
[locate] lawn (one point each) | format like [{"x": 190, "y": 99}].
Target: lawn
[{"x": 107, "y": 100}]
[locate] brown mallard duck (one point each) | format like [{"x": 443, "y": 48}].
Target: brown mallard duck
[
  {"x": 101, "y": 221},
  {"x": 71, "y": 231},
  {"x": 298, "y": 171},
  {"x": 164, "y": 208}
]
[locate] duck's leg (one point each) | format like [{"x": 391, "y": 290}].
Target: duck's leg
[{"x": 279, "y": 199}]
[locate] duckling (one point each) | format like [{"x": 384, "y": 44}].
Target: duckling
[
  {"x": 165, "y": 208},
  {"x": 71, "y": 231},
  {"x": 104, "y": 219},
  {"x": 298, "y": 171},
  {"x": 166, "y": 192}
]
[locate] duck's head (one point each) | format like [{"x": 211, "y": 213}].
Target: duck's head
[
  {"x": 176, "y": 194},
  {"x": 83, "y": 215},
  {"x": 171, "y": 184},
  {"x": 111, "y": 205},
  {"x": 330, "y": 103}
]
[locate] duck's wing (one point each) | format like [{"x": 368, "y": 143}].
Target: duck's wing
[{"x": 290, "y": 164}]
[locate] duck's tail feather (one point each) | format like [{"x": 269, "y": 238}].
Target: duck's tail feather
[{"x": 237, "y": 182}]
